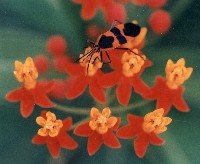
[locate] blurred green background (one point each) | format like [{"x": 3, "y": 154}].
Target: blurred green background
[{"x": 25, "y": 25}]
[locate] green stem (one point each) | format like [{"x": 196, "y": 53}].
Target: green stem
[
  {"x": 77, "y": 111},
  {"x": 82, "y": 111},
  {"x": 130, "y": 107}
]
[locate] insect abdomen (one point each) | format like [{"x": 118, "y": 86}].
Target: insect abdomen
[{"x": 131, "y": 29}]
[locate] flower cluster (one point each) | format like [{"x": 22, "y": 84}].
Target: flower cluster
[
  {"x": 111, "y": 9},
  {"x": 126, "y": 68},
  {"x": 159, "y": 19},
  {"x": 32, "y": 91}
]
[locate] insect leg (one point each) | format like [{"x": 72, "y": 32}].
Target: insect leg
[
  {"x": 100, "y": 59},
  {"x": 87, "y": 54},
  {"x": 89, "y": 62},
  {"x": 108, "y": 57},
  {"x": 126, "y": 49},
  {"x": 129, "y": 50}
]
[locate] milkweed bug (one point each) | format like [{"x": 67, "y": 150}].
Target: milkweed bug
[{"x": 119, "y": 34}]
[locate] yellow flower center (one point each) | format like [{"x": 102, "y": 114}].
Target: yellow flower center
[
  {"x": 91, "y": 63},
  {"x": 101, "y": 122},
  {"x": 155, "y": 122},
  {"x": 177, "y": 73},
  {"x": 50, "y": 126},
  {"x": 132, "y": 63},
  {"x": 26, "y": 73}
]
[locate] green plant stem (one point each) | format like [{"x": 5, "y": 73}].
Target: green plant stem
[{"x": 82, "y": 111}]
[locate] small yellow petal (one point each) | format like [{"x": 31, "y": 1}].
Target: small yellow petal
[
  {"x": 188, "y": 72},
  {"x": 93, "y": 124},
  {"x": 169, "y": 65},
  {"x": 111, "y": 122},
  {"x": 181, "y": 62},
  {"x": 40, "y": 121},
  {"x": 29, "y": 62},
  {"x": 94, "y": 112},
  {"x": 18, "y": 65},
  {"x": 51, "y": 116},
  {"x": 53, "y": 132},
  {"x": 43, "y": 132},
  {"x": 102, "y": 129},
  {"x": 167, "y": 120},
  {"x": 106, "y": 112}
]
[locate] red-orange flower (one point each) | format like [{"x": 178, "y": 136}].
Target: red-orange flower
[
  {"x": 59, "y": 89},
  {"x": 57, "y": 46},
  {"x": 111, "y": 9},
  {"x": 169, "y": 91},
  {"x": 41, "y": 63},
  {"x": 53, "y": 133},
  {"x": 160, "y": 21},
  {"x": 31, "y": 92},
  {"x": 85, "y": 74},
  {"x": 145, "y": 130},
  {"x": 126, "y": 75},
  {"x": 99, "y": 130}
]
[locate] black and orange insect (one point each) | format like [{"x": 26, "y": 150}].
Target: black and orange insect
[{"x": 118, "y": 35}]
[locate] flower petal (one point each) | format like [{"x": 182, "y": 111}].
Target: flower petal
[
  {"x": 43, "y": 101},
  {"x": 37, "y": 139},
  {"x": 77, "y": 87},
  {"x": 40, "y": 121},
  {"x": 140, "y": 145},
  {"x": 110, "y": 79},
  {"x": 106, "y": 112},
  {"x": 111, "y": 140},
  {"x": 133, "y": 119},
  {"x": 155, "y": 140},
  {"x": 94, "y": 112},
  {"x": 97, "y": 91},
  {"x": 83, "y": 130},
  {"x": 127, "y": 132},
  {"x": 116, "y": 126},
  {"x": 94, "y": 143},
  {"x": 179, "y": 102},
  {"x": 43, "y": 87},
  {"x": 14, "y": 95},
  {"x": 123, "y": 91},
  {"x": 141, "y": 88},
  {"x": 164, "y": 102},
  {"x": 27, "y": 105},
  {"x": 74, "y": 69},
  {"x": 67, "y": 123},
  {"x": 53, "y": 147},
  {"x": 89, "y": 9},
  {"x": 67, "y": 142},
  {"x": 111, "y": 122}
]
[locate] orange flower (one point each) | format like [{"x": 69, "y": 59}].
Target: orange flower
[
  {"x": 83, "y": 74},
  {"x": 99, "y": 130},
  {"x": 57, "y": 47},
  {"x": 31, "y": 92},
  {"x": 111, "y": 9},
  {"x": 126, "y": 75},
  {"x": 53, "y": 133},
  {"x": 169, "y": 91},
  {"x": 145, "y": 130}
]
